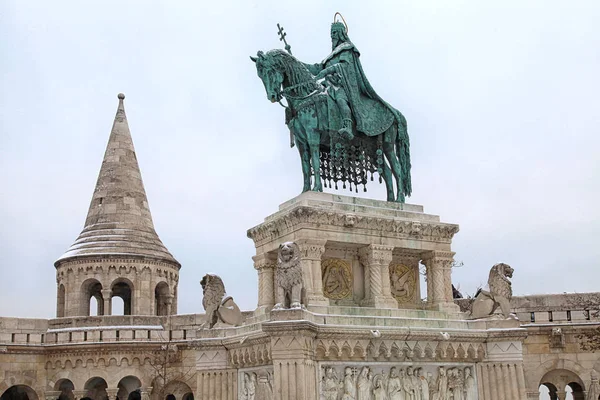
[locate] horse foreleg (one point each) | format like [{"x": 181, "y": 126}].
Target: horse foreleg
[
  {"x": 316, "y": 165},
  {"x": 305, "y": 160},
  {"x": 388, "y": 150}
]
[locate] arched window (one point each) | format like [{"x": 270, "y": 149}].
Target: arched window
[
  {"x": 123, "y": 288},
  {"x": 91, "y": 288},
  {"x": 66, "y": 388},
  {"x": 96, "y": 388},
  {"x": 19, "y": 392},
  {"x": 161, "y": 299},
  {"x": 129, "y": 388}
]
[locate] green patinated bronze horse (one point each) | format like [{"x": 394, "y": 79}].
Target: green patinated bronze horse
[{"x": 314, "y": 121}]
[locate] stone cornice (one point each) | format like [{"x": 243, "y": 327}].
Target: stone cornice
[
  {"x": 387, "y": 226},
  {"x": 117, "y": 259}
]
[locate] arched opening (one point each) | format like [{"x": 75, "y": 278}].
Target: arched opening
[
  {"x": 91, "y": 288},
  {"x": 188, "y": 396},
  {"x": 561, "y": 384},
  {"x": 19, "y": 392},
  {"x": 123, "y": 288},
  {"x": 129, "y": 388},
  {"x": 117, "y": 306},
  {"x": 60, "y": 301},
  {"x": 176, "y": 390},
  {"x": 66, "y": 388},
  {"x": 547, "y": 391},
  {"x": 96, "y": 388},
  {"x": 161, "y": 297},
  {"x": 575, "y": 391}
]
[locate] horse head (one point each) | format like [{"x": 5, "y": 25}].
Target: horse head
[{"x": 270, "y": 72}]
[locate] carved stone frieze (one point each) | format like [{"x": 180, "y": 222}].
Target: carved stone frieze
[
  {"x": 256, "y": 384},
  {"x": 397, "y": 381},
  {"x": 291, "y": 221},
  {"x": 398, "y": 350}
]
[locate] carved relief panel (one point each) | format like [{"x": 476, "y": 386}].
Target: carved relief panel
[
  {"x": 255, "y": 383},
  {"x": 397, "y": 381},
  {"x": 403, "y": 283},
  {"x": 337, "y": 279}
]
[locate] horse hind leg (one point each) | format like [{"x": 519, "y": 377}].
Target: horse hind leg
[
  {"x": 390, "y": 154},
  {"x": 389, "y": 185}
]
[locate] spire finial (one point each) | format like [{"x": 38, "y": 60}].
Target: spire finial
[{"x": 121, "y": 96}]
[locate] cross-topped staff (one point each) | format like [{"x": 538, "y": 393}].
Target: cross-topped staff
[{"x": 282, "y": 36}]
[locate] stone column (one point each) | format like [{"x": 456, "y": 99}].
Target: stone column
[
  {"x": 376, "y": 260},
  {"x": 79, "y": 394},
  {"x": 439, "y": 280},
  {"x": 265, "y": 265},
  {"x": 52, "y": 394},
  {"x": 169, "y": 303},
  {"x": 112, "y": 393},
  {"x": 310, "y": 259},
  {"x": 145, "y": 393},
  {"x": 106, "y": 296},
  {"x": 294, "y": 368},
  {"x": 214, "y": 380}
]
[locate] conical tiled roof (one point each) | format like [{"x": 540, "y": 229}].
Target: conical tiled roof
[{"x": 119, "y": 220}]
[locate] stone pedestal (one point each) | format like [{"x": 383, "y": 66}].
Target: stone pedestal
[{"x": 377, "y": 233}]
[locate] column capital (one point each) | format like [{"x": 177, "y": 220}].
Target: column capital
[
  {"x": 106, "y": 292},
  {"x": 79, "y": 394},
  {"x": 264, "y": 260},
  {"x": 311, "y": 249},
  {"x": 375, "y": 254},
  {"x": 112, "y": 393},
  {"x": 436, "y": 258},
  {"x": 52, "y": 394}
]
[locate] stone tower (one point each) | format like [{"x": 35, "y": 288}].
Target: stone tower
[{"x": 118, "y": 253}]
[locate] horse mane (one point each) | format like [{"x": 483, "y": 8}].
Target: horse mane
[{"x": 294, "y": 69}]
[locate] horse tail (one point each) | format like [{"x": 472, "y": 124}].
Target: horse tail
[{"x": 403, "y": 152}]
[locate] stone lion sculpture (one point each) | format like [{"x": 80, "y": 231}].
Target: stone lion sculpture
[
  {"x": 218, "y": 306},
  {"x": 485, "y": 303},
  {"x": 288, "y": 277}
]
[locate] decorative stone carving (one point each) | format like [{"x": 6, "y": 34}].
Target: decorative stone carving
[
  {"x": 337, "y": 279},
  {"x": 403, "y": 283},
  {"x": 557, "y": 338},
  {"x": 218, "y": 306},
  {"x": 284, "y": 224},
  {"x": 288, "y": 277},
  {"x": 256, "y": 384},
  {"x": 499, "y": 294},
  {"x": 396, "y": 381}
]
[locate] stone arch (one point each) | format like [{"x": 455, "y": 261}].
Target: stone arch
[
  {"x": 177, "y": 389},
  {"x": 162, "y": 298},
  {"x": 96, "y": 388},
  {"x": 129, "y": 388},
  {"x": 556, "y": 364},
  {"x": 19, "y": 392},
  {"x": 91, "y": 288},
  {"x": 60, "y": 301},
  {"x": 123, "y": 288},
  {"x": 65, "y": 387},
  {"x": 557, "y": 380}
]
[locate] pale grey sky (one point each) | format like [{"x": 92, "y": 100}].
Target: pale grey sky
[{"x": 501, "y": 100}]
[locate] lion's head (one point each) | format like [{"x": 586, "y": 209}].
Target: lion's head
[
  {"x": 213, "y": 290},
  {"x": 287, "y": 254},
  {"x": 499, "y": 281}
]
